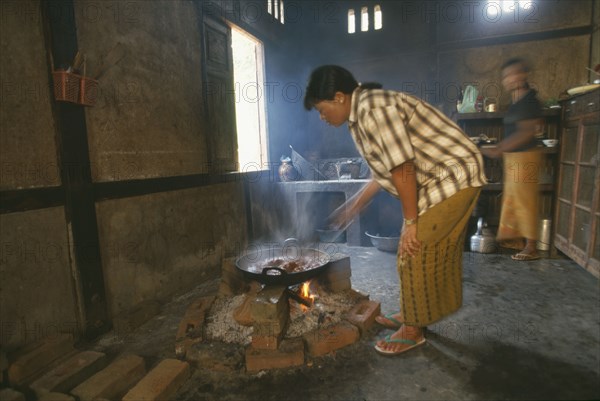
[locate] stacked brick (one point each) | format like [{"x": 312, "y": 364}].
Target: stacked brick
[
  {"x": 336, "y": 278},
  {"x": 52, "y": 370},
  {"x": 270, "y": 310},
  {"x": 191, "y": 326}
]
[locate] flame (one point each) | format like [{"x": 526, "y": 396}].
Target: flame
[{"x": 305, "y": 293}]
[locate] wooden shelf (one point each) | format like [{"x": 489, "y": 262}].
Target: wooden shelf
[
  {"x": 577, "y": 231},
  {"x": 499, "y": 115},
  {"x": 492, "y": 125}
]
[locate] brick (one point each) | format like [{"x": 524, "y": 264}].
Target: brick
[
  {"x": 8, "y": 394},
  {"x": 113, "y": 381},
  {"x": 357, "y": 294},
  {"x": 71, "y": 372},
  {"x": 325, "y": 340},
  {"x": 290, "y": 353},
  {"x": 340, "y": 285},
  {"x": 128, "y": 321},
  {"x": 266, "y": 342},
  {"x": 193, "y": 319},
  {"x": 191, "y": 325},
  {"x": 338, "y": 273},
  {"x": 363, "y": 315},
  {"x": 161, "y": 383},
  {"x": 270, "y": 304},
  {"x": 243, "y": 313},
  {"x": 339, "y": 262},
  {"x": 268, "y": 335},
  {"x": 270, "y": 315},
  {"x": 235, "y": 284},
  {"x": 225, "y": 290},
  {"x": 36, "y": 357},
  {"x": 52, "y": 396}
]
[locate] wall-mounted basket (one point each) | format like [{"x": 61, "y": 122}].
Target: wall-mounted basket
[{"x": 74, "y": 88}]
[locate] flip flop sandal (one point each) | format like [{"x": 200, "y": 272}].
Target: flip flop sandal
[
  {"x": 524, "y": 257},
  {"x": 396, "y": 324},
  {"x": 388, "y": 339}
]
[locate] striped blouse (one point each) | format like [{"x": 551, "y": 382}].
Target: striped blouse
[{"x": 390, "y": 128}]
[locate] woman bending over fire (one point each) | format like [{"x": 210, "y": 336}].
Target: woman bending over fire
[{"x": 420, "y": 156}]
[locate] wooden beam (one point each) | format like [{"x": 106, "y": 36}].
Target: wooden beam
[
  {"x": 516, "y": 38},
  {"x": 61, "y": 37}
]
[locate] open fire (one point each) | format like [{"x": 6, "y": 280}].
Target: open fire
[
  {"x": 307, "y": 295},
  {"x": 277, "y": 324}
]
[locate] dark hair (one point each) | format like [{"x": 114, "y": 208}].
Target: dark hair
[
  {"x": 515, "y": 61},
  {"x": 326, "y": 80}
]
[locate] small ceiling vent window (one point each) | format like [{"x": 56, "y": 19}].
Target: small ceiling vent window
[
  {"x": 351, "y": 21},
  {"x": 377, "y": 15},
  {"x": 276, "y": 9},
  {"x": 365, "y": 20}
]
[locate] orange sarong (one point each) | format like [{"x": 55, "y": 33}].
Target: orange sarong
[
  {"x": 431, "y": 281},
  {"x": 520, "y": 198}
]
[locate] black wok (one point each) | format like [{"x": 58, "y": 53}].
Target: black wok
[{"x": 256, "y": 265}]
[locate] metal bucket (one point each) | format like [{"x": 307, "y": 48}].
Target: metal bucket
[{"x": 543, "y": 244}]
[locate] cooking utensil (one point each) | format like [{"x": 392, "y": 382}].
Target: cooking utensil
[
  {"x": 348, "y": 169},
  {"x": 305, "y": 168},
  {"x": 482, "y": 241},
  {"x": 270, "y": 274},
  {"x": 386, "y": 244}
]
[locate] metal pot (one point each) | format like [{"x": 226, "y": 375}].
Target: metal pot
[
  {"x": 255, "y": 265},
  {"x": 483, "y": 241},
  {"x": 387, "y": 244}
]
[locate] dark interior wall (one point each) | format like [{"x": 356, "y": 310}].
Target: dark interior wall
[
  {"x": 37, "y": 290},
  {"x": 393, "y": 56},
  {"x": 148, "y": 121},
  {"x": 473, "y": 42},
  {"x": 429, "y": 49},
  {"x": 27, "y": 138},
  {"x": 147, "y": 129}
]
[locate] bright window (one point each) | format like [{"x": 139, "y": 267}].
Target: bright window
[
  {"x": 378, "y": 23},
  {"x": 276, "y": 9},
  {"x": 248, "y": 75},
  {"x": 364, "y": 19},
  {"x": 351, "y": 21}
]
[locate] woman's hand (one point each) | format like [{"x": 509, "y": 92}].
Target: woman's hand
[{"x": 409, "y": 244}]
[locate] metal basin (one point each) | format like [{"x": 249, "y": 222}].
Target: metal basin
[{"x": 386, "y": 244}]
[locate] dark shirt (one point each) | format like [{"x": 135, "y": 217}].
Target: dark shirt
[{"x": 526, "y": 108}]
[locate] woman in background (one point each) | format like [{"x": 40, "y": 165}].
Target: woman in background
[
  {"x": 420, "y": 156},
  {"x": 521, "y": 160}
]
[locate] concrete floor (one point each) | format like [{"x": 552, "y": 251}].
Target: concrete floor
[{"x": 527, "y": 330}]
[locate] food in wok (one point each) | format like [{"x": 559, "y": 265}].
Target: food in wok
[{"x": 288, "y": 265}]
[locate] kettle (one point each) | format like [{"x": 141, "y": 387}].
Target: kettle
[{"x": 482, "y": 241}]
